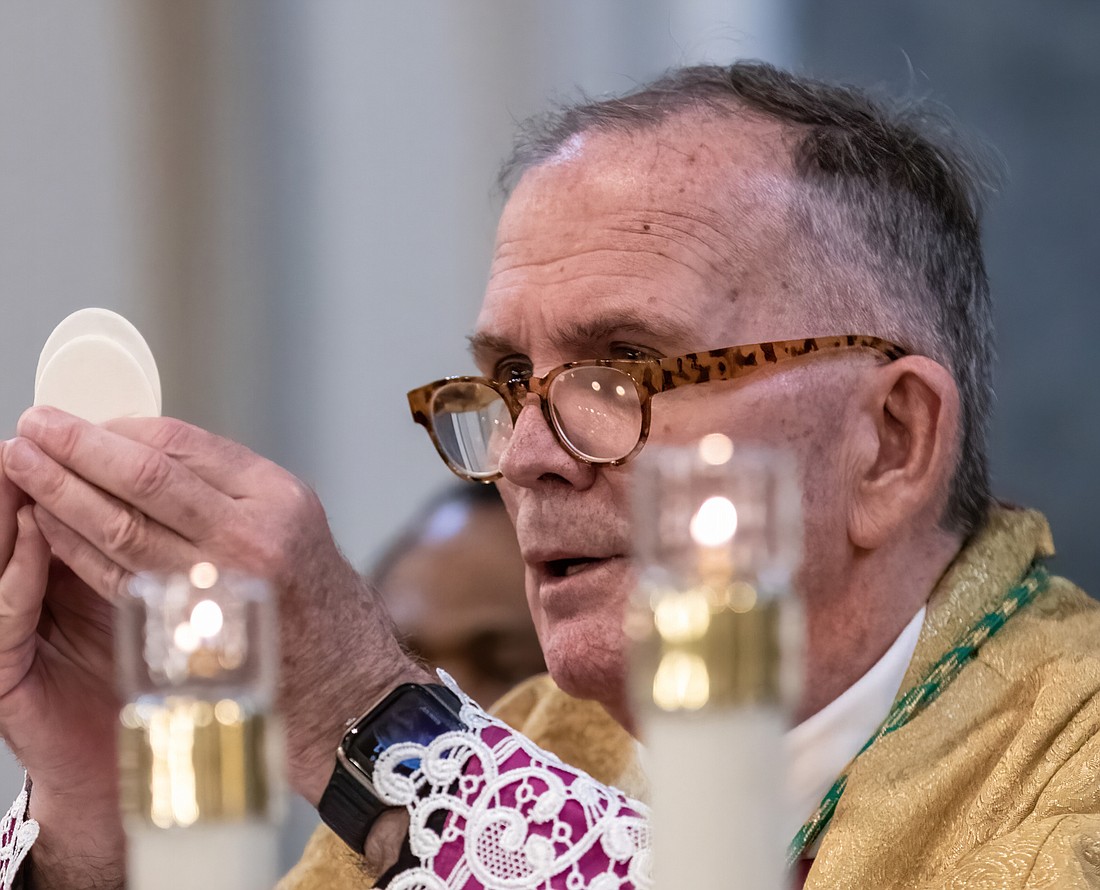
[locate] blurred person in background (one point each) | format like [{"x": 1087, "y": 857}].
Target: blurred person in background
[{"x": 453, "y": 583}]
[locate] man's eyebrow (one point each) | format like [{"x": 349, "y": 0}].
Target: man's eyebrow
[
  {"x": 601, "y": 329},
  {"x": 583, "y": 336},
  {"x": 483, "y": 347}
]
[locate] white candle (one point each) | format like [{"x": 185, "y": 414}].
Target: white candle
[
  {"x": 717, "y": 787},
  {"x": 230, "y": 856}
]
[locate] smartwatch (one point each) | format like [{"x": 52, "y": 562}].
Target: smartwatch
[{"x": 412, "y": 712}]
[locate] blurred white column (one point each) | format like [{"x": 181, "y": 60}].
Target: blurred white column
[
  {"x": 201, "y": 103},
  {"x": 68, "y": 224}
]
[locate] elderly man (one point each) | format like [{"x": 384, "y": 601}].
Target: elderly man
[{"x": 749, "y": 252}]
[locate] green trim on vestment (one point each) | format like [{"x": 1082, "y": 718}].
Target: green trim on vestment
[{"x": 923, "y": 694}]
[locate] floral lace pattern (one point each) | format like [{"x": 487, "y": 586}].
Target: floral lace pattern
[
  {"x": 17, "y": 833},
  {"x": 489, "y": 808}
]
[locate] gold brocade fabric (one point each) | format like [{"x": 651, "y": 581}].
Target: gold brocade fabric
[{"x": 995, "y": 786}]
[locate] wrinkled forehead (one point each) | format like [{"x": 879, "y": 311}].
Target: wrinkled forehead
[
  {"x": 670, "y": 227},
  {"x": 713, "y": 172}
]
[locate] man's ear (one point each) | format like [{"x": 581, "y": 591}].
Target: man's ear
[{"x": 906, "y": 449}]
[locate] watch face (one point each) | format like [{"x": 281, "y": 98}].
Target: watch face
[{"x": 411, "y": 713}]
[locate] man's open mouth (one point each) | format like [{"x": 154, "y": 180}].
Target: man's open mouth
[{"x": 564, "y": 568}]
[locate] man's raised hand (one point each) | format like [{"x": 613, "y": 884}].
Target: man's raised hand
[
  {"x": 57, "y": 703},
  {"x": 157, "y": 494},
  {"x": 82, "y": 509}
]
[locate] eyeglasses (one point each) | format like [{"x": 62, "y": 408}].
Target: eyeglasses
[{"x": 599, "y": 409}]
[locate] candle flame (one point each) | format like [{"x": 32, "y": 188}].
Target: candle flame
[{"x": 715, "y": 522}]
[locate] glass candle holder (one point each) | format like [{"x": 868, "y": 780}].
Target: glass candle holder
[
  {"x": 715, "y": 644},
  {"x": 199, "y": 748}
]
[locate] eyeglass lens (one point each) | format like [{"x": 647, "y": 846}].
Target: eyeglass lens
[
  {"x": 597, "y": 412},
  {"x": 472, "y": 425}
]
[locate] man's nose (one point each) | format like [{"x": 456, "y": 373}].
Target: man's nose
[{"x": 534, "y": 452}]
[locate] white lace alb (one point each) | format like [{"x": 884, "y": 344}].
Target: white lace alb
[
  {"x": 17, "y": 833},
  {"x": 489, "y": 808}
]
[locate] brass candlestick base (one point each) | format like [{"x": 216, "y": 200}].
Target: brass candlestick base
[
  {"x": 186, "y": 760},
  {"x": 199, "y": 746}
]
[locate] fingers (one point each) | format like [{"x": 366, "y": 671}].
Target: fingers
[
  {"x": 64, "y": 451},
  {"x": 122, "y": 534},
  {"x": 222, "y": 463},
  {"x": 22, "y": 586},
  {"x": 89, "y": 563},
  {"x": 169, "y": 496}
]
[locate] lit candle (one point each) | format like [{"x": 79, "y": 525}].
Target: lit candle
[
  {"x": 197, "y": 742},
  {"x": 717, "y": 537}
]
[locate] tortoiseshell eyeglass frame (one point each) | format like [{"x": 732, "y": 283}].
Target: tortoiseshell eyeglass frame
[{"x": 650, "y": 376}]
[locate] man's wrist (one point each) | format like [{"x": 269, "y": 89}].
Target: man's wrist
[
  {"x": 69, "y": 827},
  {"x": 411, "y": 714},
  {"x": 311, "y": 764},
  {"x": 77, "y": 848}
]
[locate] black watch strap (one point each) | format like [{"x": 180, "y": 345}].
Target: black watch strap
[
  {"x": 348, "y": 808},
  {"x": 411, "y": 712}
]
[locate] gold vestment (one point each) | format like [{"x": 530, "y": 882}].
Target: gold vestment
[{"x": 994, "y": 786}]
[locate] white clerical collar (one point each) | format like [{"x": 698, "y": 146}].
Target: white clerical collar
[{"x": 823, "y": 744}]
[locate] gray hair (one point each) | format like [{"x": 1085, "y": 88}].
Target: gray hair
[{"x": 886, "y": 191}]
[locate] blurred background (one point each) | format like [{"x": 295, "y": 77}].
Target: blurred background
[{"x": 294, "y": 202}]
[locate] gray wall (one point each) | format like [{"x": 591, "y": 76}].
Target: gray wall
[{"x": 1025, "y": 76}]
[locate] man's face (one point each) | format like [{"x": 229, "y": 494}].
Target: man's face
[{"x": 645, "y": 245}]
